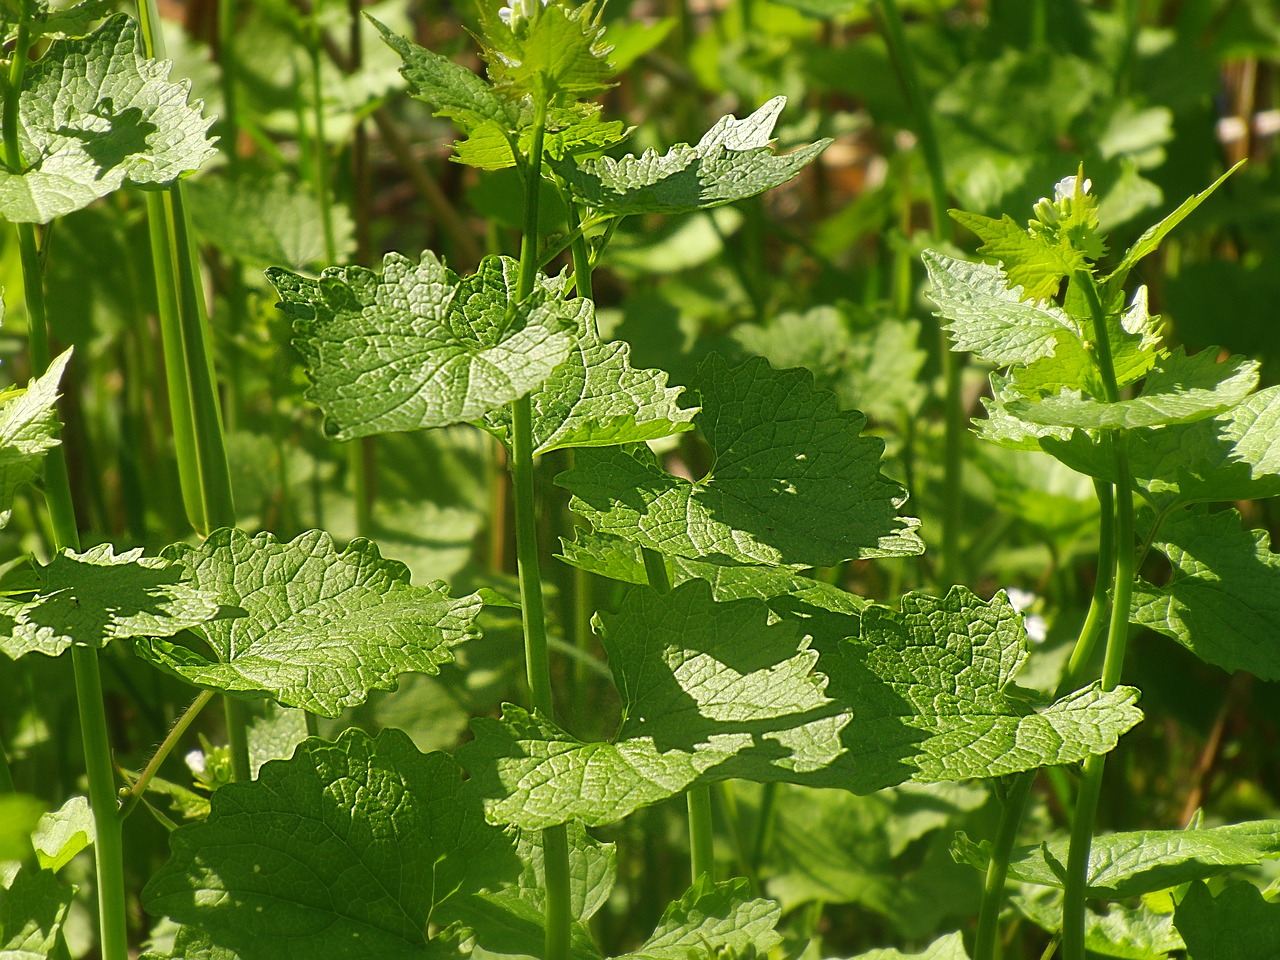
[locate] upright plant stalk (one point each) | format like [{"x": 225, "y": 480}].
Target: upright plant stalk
[
  {"x": 702, "y": 853},
  {"x": 1073, "y": 905},
  {"x": 555, "y": 842},
  {"x": 109, "y": 847},
  {"x": 953, "y": 400},
  {"x": 193, "y": 399}
]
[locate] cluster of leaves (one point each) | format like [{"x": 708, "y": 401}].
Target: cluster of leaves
[{"x": 732, "y": 658}]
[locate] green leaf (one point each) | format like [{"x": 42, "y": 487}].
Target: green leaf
[
  {"x": 558, "y": 51},
  {"x": 1178, "y": 389},
  {"x": 266, "y": 221},
  {"x": 1035, "y": 263},
  {"x": 1232, "y": 456},
  {"x": 1237, "y": 924},
  {"x": 33, "y": 910},
  {"x": 28, "y": 428},
  {"x": 715, "y": 691},
  {"x": 59, "y": 836},
  {"x": 309, "y": 625},
  {"x": 593, "y": 870},
  {"x": 596, "y": 399},
  {"x": 713, "y": 919},
  {"x": 731, "y": 162},
  {"x": 793, "y": 484},
  {"x": 59, "y": 23},
  {"x": 888, "y": 852},
  {"x": 350, "y": 849},
  {"x": 1152, "y": 236},
  {"x": 1223, "y": 600},
  {"x": 93, "y": 115},
  {"x": 573, "y": 129},
  {"x": 1137, "y": 933},
  {"x": 950, "y": 947},
  {"x": 619, "y": 559},
  {"x": 997, "y": 323},
  {"x": 192, "y": 943},
  {"x": 92, "y": 598},
  {"x": 417, "y": 346},
  {"x": 19, "y": 817},
  {"x": 451, "y": 89},
  {"x": 1123, "y": 865}
]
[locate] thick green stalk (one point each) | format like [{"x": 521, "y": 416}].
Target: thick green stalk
[
  {"x": 203, "y": 469},
  {"x": 1073, "y": 906},
  {"x": 953, "y": 399},
  {"x": 109, "y": 847},
  {"x": 1015, "y": 804},
  {"x": 555, "y": 843}
]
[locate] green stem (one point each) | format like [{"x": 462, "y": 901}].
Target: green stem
[
  {"x": 952, "y": 367},
  {"x": 1092, "y": 629},
  {"x": 162, "y": 752},
  {"x": 555, "y": 843},
  {"x": 1086, "y": 808},
  {"x": 764, "y": 825},
  {"x": 230, "y": 69},
  {"x": 1015, "y": 804},
  {"x": 109, "y": 847}
]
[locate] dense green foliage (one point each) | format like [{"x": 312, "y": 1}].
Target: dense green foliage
[{"x": 710, "y": 545}]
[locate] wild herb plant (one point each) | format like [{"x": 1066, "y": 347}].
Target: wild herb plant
[{"x": 732, "y": 664}]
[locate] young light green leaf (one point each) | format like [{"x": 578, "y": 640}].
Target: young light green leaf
[
  {"x": 92, "y": 598},
  {"x": 1223, "y": 600},
  {"x": 597, "y": 399},
  {"x": 309, "y": 625},
  {"x": 792, "y": 484},
  {"x": 19, "y": 816},
  {"x": 561, "y": 51},
  {"x": 1237, "y": 924},
  {"x": 731, "y": 162},
  {"x": 60, "y": 835},
  {"x": 417, "y": 346},
  {"x": 1179, "y": 389},
  {"x": 1123, "y": 865},
  {"x": 950, "y": 947},
  {"x": 451, "y": 89},
  {"x": 573, "y": 129},
  {"x": 1034, "y": 262},
  {"x": 1152, "y": 236},
  {"x": 1233, "y": 456},
  {"x": 717, "y": 691},
  {"x": 997, "y": 323},
  {"x": 33, "y": 910},
  {"x": 93, "y": 115},
  {"x": 350, "y": 849},
  {"x": 28, "y": 428},
  {"x": 711, "y": 920}
]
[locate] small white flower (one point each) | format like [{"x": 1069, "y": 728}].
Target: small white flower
[
  {"x": 1065, "y": 188},
  {"x": 518, "y": 10},
  {"x": 195, "y": 762},
  {"x": 1019, "y": 599}
]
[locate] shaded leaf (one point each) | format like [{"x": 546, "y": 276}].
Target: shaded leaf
[
  {"x": 1134, "y": 933},
  {"x": 33, "y": 910},
  {"x": 1237, "y": 924},
  {"x": 93, "y": 115},
  {"x": 59, "y": 836},
  {"x": 950, "y": 947},
  {"x": 19, "y": 816},
  {"x": 417, "y": 346},
  {"x": 309, "y": 625},
  {"x": 1223, "y": 600},
  {"x": 715, "y": 691},
  {"x": 793, "y": 484},
  {"x": 92, "y": 598},
  {"x": 731, "y": 162},
  {"x": 711, "y": 919},
  {"x": 350, "y": 849}
]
